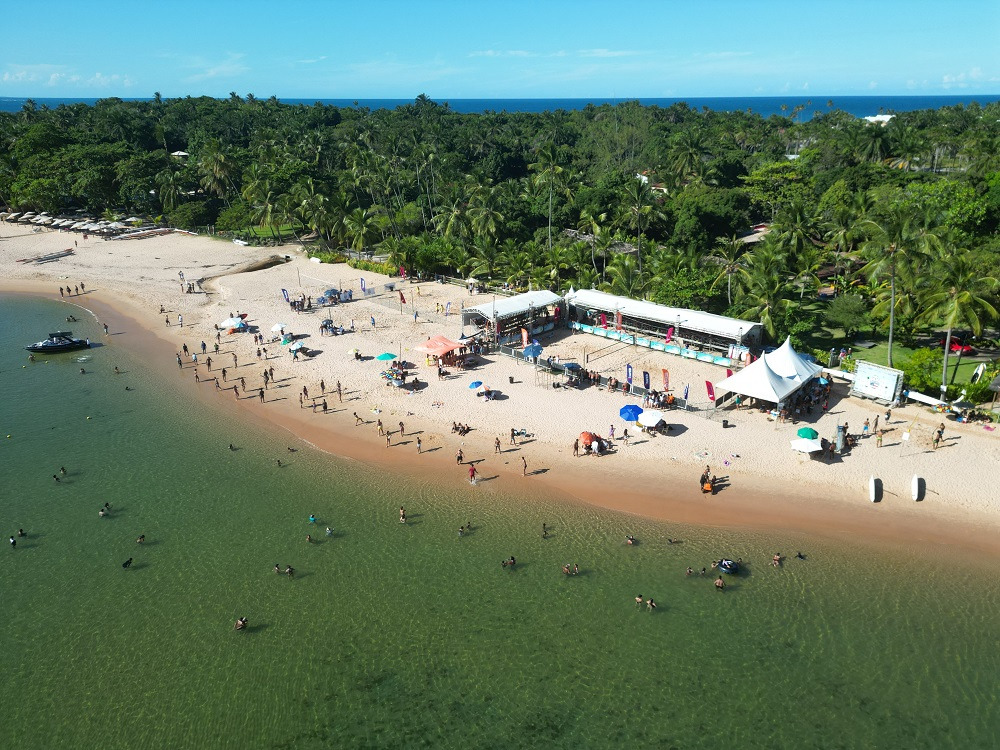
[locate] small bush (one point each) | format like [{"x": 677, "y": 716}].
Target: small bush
[{"x": 386, "y": 269}]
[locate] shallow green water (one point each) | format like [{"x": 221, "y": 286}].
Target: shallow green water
[{"x": 397, "y": 635}]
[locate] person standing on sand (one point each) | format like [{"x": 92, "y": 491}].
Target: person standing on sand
[
  {"x": 236, "y": 393},
  {"x": 180, "y": 320},
  {"x": 513, "y": 437},
  {"x": 611, "y": 433},
  {"x": 180, "y": 363},
  {"x": 61, "y": 292},
  {"x": 339, "y": 398},
  {"x": 167, "y": 320},
  {"x": 260, "y": 394},
  {"x": 576, "y": 448},
  {"x": 381, "y": 429},
  {"x": 322, "y": 387},
  {"x": 524, "y": 466},
  {"x": 357, "y": 419},
  {"x": 878, "y": 438},
  {"x": 472, "y": 474},
  {"x": 401, "y": 433},
  {"x": 875, "y": 425},
  {"x": 419, "y": 445},
  {"x": 224, "y": 373},
  {"x": 459, "y": 457},
  {"x": 496, "y": 445},
  {"x": 388, "y": 440},
  {"x": 105, "y": 329},
  {"x": 243, "y": 385}
]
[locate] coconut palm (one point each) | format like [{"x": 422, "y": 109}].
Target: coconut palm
[
  {"x": 359, "y": 227},
  {"x": 728, "y": 257},
  {"x": 548, "y": 172},
  {"x": 624, "y": 278},
  {"x": 171, "y": 186},
  {"x": 958, "y": 296},
  {"x": 895, "y": 247},
  {"x": 641, "y": 208}
]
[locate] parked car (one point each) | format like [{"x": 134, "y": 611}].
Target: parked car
[{"x": 957, "y": 347}]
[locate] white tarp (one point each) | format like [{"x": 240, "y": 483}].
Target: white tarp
[{"x": 692, "y": 320}]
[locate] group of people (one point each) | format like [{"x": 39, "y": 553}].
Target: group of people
[{"x": 461, "y": 429}]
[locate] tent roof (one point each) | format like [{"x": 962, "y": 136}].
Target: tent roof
[
  {"x": 790, "y": 364},
  {"x": 759, "y": 380},
  {"x": 437, "y": 345},
  {"x": 693, "y": 320},
  {"x": 507, "y": 306}
]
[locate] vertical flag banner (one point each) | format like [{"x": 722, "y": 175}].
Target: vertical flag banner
[
  {"x": 362, "y": 285},
  {"x": 666, "y": 379},
  {"x": 604, "y": 321},
  {"x": 669, "y": 336},
  {"x": 373, "y": 322},
  {"x": 402, "y": 299},
  {"x": 711, "y": 390},
  {"x": 524, "y": 338},
  {"x": 686, "y": 388},
  {"x": 628, "y": 374},
  {"x": 447, "y": 309},
  {"x": 645, "y": 380},
  {"x": 729, "y": 373},
  {"x": 284, "y": 293},
  {"x": 618, "y": 321}
]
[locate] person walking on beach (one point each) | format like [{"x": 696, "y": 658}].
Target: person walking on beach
[
  {"x": 864, "y": 428},
  {"x": 260, "y": 395},
  {"x": 105, "y": 329},
  {"x": 878, "y": 438},
  {"x": 167, "y": 320},
  {"x": 322, "y": 387},
  {"x": 224, "y": 372},
  {"x": 419, "y": 445},
  {"x": 180, "y": 320},
  {"x": 388, "y": 440},
  {"x": 180, "y": 363},
  {"x": 875, "y": 425},
  {"x": 339, "y": 398},
  {"x": 459, "y": 457},
  {"x": 236, "y": 393},
  {"x": 401, "y": 433},
  {"x": 235, "y": 360},
  {"x": 524, "y": 466},
  {"x": 472, "y": 474},
  {"x": 513, "y": 438},
  {"x": 576, "y": 448},
  {"x": 204, "y": 347},
  {"x": 357, "y": 419},
  {"x": 611, "y": 433},
  {"x": 61, "y": 292},
  {"x": 381, "y": 429},
  {"x": 208, "y": 362},
  {"x": 496, "y": 445}
]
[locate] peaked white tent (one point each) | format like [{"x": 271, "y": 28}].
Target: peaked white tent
[
  {"x": 759, "y": 380},
  {"x": 789, "y": 363},
  {"x": 774, "y": 376}
]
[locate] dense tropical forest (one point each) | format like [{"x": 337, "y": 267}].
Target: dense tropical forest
[{"x": 898, "y": 224}]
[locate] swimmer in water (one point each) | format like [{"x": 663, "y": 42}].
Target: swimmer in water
[
  {"x": 329, "y": 531},
  {"x": 127, "y": 564},
  {"x": 232, "y": 447},
  {"x": 141, "y": 539},
  {"x": 241, "y": 624},
  {"x": 277, "y": 568},
  {"x": 62, "y": 470},
  {"x": 82, "y": 371}
]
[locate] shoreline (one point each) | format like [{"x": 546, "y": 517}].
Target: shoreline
[{"x": 578, "y": 481}]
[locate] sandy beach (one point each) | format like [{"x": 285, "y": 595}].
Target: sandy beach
[{"x": 767, "y": 484}]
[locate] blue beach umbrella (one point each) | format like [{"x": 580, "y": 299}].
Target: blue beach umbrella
[
  {"x": 824, "y": 381},
  {"x": 572, "y": 366},
  {"x": 386, "y": 357},
  {"x": 535, "y": 350},
  {"x": 475, "y": 383},
  {"x": 630, "y": 412}
]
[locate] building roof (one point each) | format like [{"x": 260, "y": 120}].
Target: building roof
[
  {"x": 790, "y": 364},
  {"x": 504, "y": 307},
  {"x": 692, "y": 320}
]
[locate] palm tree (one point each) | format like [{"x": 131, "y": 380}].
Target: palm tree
[
  {"x": 216, "y": 169},
  {"x": 624, "y": 278},
  {"x": 727, "y": 255},
  {"x": 359, "y": 226},
  {"x": 548, "y": 171},
  {"x": 958, "y": 295},
  {"x": 640, "y": 206},
  {"x": 895, "y": 247},
  {"x": 171, "y": 186},
  {"x": 764, "y": 298}
]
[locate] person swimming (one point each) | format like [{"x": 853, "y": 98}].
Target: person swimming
[
  {"x": 141, "y": 539},
  {"x": 312, "y": 518},
  {"x": 329, "y": 531},
  {"x": 241, "y": 624},
  {"x": 799, "y": 556},
  {"x": 127, "y": 564}
]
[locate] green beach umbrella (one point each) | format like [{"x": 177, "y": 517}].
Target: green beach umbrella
[
  {"x": 808, "y": 433},
  {"x": 385, "y": 357}
]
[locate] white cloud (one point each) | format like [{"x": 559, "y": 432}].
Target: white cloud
[
  {"x": 608, "y": 53},
  {"x": 311, "y": 61},
  {"x": 53, "y": 76},
  {"x": 502, "y": 53},
  {"x": 873, "y": 84},
  {"x": 231, "y": 66}
]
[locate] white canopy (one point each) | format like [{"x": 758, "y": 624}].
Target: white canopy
[
  {"x": 774, "y": 376},
  {"x": 692, "y": 320},
  {"x": 759, "y": 380},
  {"x": 504, "y": 307},
  {"x": 789, "y": 363}
]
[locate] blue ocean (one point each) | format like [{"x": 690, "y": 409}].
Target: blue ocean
[{"x": 765, "y": 106}]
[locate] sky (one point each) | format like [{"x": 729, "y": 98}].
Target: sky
[{"x": 337, "y": 49}]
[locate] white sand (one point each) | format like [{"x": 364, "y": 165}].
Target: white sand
[{"x": 753, "y": 453}]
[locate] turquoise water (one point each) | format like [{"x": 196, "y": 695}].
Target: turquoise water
[{"x": 397, "y": 635}]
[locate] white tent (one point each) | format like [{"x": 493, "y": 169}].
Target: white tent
[
  {"x": 760, "y": 381},
  {"x": 789, "y": 363},
  {"x": 774, "y": 376}
]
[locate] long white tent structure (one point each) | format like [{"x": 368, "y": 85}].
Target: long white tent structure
[
  {"x": 506, "y": 316},
  {"x": 589, "y": 308}
]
